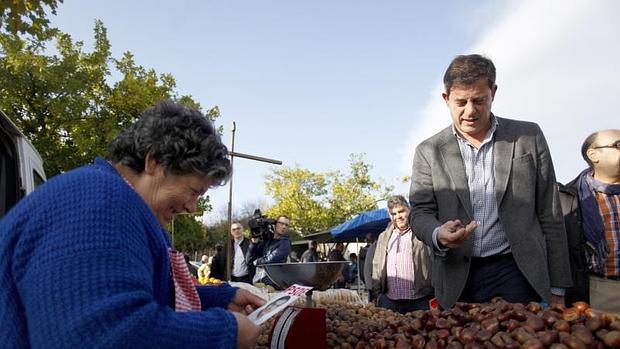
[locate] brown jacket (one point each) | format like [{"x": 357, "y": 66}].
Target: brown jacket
[{"x": 421, "y": 260}]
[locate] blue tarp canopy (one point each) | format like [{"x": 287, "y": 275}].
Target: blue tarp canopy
[{"x": 374, "y": 222}]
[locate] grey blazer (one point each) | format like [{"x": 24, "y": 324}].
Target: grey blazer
[{"x": 528, "y": 205}]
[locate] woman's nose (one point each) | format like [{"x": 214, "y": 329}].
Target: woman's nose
[{"x": 191, "y": 206}]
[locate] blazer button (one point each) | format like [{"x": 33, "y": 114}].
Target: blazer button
[{"x": 465, "y": 259}]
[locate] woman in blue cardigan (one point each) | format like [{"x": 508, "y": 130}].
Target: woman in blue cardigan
[{"x": 85, "y": 262}]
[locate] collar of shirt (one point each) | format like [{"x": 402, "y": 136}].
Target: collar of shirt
[
  {"x": 606, "y": 188},
  {"x": 394, "y": 239},
  {"x": 401, "y": 232},
  {"x": 487, "y": 138}
]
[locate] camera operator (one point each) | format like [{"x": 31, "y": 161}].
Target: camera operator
[{"x": 269, "y": 244}]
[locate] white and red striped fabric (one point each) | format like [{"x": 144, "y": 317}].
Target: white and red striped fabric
[{"x": 185, "y": 294}]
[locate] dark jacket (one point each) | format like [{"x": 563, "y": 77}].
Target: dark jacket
[
  {"x": 370, "y": 254},
  {"x": 245, "y": 244},
  {"x": 310, "y": 255},
  {"x": 576, "y": 244},
  {"x": 218, "y": 266},
  {"x": 362, "y": 258},
  {"x": 267, "y": 252},
  {"x": 421, "y": 256}
]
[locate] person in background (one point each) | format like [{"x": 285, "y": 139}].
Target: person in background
[
  {"x": 218, "y": 264},
  {"x": 353, "y": 273},
  {"x": 274, "y": 250},
  {"x": 241, "y": 272},
  {"x": 292, "y": 258},
  {"x": 311, "y": 254},
  {"x": 337, "y": 255},
  {"x": 203, "y": 270},
  {"x": 401, "y": 264},
  {"x": 485, "y": 199},
  {"x": 115, "y": 211},
  {"x": 370, "y": 254},
  {"x": 591, "y": 206},
  {"x": 190, "y": 267},
  {"x": 363, "y": 253}
]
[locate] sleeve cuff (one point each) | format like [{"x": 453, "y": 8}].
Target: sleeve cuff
[
  {"x": 558, "y": 291},
  {"x": 438, "y": 250},
  {"x": 216, "y": 296}
]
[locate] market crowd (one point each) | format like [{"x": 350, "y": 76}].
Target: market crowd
[{"x": 86, "y": 258}]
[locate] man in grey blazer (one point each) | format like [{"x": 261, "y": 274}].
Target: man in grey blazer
[{"x": 486, "y": 201}]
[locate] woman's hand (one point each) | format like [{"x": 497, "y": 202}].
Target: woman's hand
[
  {"x": 247, "y": 331},
  {"x": 245, "y": 302}
]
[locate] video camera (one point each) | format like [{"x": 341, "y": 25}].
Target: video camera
[{"x": 261, "y": 226}]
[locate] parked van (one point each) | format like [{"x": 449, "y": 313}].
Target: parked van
[{"x": 21, "y": 166}]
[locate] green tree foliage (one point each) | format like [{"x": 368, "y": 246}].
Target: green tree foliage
[
  {"x": 186, "y": 231},
  {"x": 301, "y": 195},
  {"x": 319, "y": 201},
  {"x": 64, "y": 102},
  {"x": 216, "y": 233},
  {"x": 71, "y": 103},
  {"x": 26, "y": 16}
]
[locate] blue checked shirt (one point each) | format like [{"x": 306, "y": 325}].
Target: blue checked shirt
[{"x": 489, "y": 238}]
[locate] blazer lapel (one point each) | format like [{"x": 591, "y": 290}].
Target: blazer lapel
[
  {"x": 503, "y": 149},
  {"x": 456, "y": 170}
]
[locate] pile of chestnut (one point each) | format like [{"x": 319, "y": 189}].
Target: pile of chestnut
[{"x": 497, "y": 324}]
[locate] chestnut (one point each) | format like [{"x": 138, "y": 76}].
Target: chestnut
[
  {"x": 612, "y": 339},
  {"x": 581, "y": 306},
  {"x": 533, "y": 343}
]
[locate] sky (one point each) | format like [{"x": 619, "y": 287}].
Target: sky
[{"x": 311, "y": 82}]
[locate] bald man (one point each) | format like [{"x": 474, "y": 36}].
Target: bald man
[{"x": 591, "y": 207}]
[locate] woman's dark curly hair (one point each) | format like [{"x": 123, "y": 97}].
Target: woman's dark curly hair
[{"x": 180, "y": 139}]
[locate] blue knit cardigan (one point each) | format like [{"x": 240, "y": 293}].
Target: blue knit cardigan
[{"x": 84, "y": 264}]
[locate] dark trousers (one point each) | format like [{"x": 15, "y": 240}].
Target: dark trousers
[
  {"x": 245, "y": 279},
  {"x": 497, "y": 276},
  {"x": 403, "y": 306}
]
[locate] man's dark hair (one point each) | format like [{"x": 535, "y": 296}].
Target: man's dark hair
[
  {"x": 397, "y": 200},
  {"x": 587, "y": 144},
  {"x": 467, "y": 69},
  {"x": 180, "y": 139}
]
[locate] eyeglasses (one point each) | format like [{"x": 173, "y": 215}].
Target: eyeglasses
[
  {"x": 236, "y": 228},
  {"x": 616, "y": 145}
]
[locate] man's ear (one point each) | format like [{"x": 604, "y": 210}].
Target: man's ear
[
  {"x": 493, "y": 90},
  {"x": 592, "y": 155},
  {"x": 446, "y": 96}
]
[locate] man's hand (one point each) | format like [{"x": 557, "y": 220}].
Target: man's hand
[
  {"x": 245, "y": 302},
  {"x": 453, "y": 233},
  {"x": 247, "y": 331}
]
